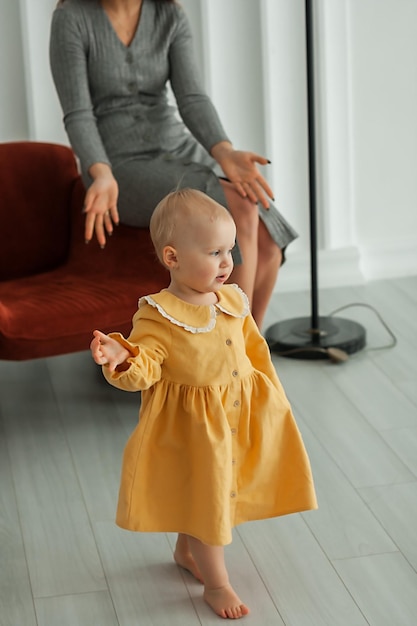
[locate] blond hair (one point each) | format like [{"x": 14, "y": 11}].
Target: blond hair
[{"x": 178, "y": 209}]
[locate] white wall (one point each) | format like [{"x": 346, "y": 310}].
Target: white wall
[
  {"x": 252, "y": 55},
  {"x": 384, "y": 131},
  {"x": 44, "y": 114},
  {"x": 13, "y": 112}
]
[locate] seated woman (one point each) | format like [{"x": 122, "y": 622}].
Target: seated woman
[{"x": 111, "y": 61}]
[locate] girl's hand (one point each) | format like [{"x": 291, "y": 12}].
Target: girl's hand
[
  {"x": 100, "y": 204},
  {"x": 241, "y": 169},
  {"x": 107, "y": 351}
]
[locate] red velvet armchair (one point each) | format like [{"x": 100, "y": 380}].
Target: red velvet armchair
[{"x": 55, "y": 289}]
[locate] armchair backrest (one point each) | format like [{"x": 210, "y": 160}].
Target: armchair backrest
[{"x": 37, "y": 183}]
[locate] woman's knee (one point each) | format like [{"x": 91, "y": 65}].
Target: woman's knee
[
  {"x": 244, "y": 212},
  {"x": 245, "y": 208},
  {"x": 268, "y": 249},
  {"x": 246, "y": 219}
]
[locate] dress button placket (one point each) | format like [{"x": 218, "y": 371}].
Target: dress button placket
[{"x": 234, "y": 423}]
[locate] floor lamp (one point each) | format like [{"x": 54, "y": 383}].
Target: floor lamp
[{"x": 314, "y": 337}]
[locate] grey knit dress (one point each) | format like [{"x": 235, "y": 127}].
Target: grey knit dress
[{"x": 117, "y": 111}]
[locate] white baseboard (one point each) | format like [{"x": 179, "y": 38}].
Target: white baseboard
[
  {"x": 350, "y": 266},
  {"x": 335, "y": 268},
  {"x": 390, "y": 259}
]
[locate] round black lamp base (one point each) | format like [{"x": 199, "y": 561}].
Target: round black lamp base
[{"x": 334, "y": 338}]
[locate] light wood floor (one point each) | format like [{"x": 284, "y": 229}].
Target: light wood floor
[{"x": 63, "y": 562}]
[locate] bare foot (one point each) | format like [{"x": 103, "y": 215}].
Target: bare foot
[
  {"x": 185, "y": 559},
  {"x": 225, "y": 602}
]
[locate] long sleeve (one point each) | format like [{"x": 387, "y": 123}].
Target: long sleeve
[
  {"x": 194, "y": 105},
  {"x": 148, "y": 344},
  {"x": 68, "y": 60}
]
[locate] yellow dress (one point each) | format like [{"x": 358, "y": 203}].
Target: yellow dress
[{"x": 216, "y": 443}]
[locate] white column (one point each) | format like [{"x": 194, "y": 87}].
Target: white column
[
  {"x": 384, "y": 76},
  {"x": 45, "y": 117},
  {"x": 334, "y": 124},
  {"x": 286, "y": 122},
  {"x": 234, "y": 68},
  {"x": 13, "y": 109},
  {"x": 285, "y": 109}
]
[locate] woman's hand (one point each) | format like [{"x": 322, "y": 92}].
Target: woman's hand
[
  {"x": 100, "y": 204},
  {"x": 107, "y": 351},
  {"x": 241, "y": 169}
]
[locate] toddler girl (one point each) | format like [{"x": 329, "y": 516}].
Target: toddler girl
[{"x": 216, "y": 444}]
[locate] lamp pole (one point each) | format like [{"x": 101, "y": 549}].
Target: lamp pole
[{"x": 314, "y": 337}]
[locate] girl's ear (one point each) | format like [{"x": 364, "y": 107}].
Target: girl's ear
[{"x": 169, "y": 255}]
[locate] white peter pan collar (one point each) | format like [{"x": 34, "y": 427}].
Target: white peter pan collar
[{"x": 199, "y": 318}]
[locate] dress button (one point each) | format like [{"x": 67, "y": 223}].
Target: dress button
[
  {"x": 129, "y": 57},
  {"x": 132, "y": 86},
  {"x": 228, "y": 342},
  {"x": 235, "y": 373},
  {"x": 236, "y": 403},
  {"x": 233, "y": 431},
  {"x": 233, "y": 494}
]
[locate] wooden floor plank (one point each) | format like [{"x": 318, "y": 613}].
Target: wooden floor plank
[
  {"x": 143, "y": 579},
  {"x": 384, "y": 586},
  {"x": 60, "y": 547},
  {"x": 409, "y": 389},
  {"x": 93, "y": 430},
  {"x": 396, "y": 508},
  {"x": 77, "y": 610},
  {"x": 408, "y": 284},
  {"x": 378, "y": 399},
  {"x": 354, "y": 445},
  {"x": 399, "y": 364},
  {"x": 343, "y": 524},
  {"x": 404, "y": 443},
  {"x": 298, "y": 575},
  {"x": 395, "y": 306},
  {"x": 16, "y": 602}
]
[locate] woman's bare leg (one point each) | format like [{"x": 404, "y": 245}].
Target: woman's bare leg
[
  {"x": 184, "y": 558},
  {"x": 261, "y": 256},
  {"x": 218, "y": 593},
  {"x": 269, "y": 262},
  {"x": 245, "y": 215}
]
